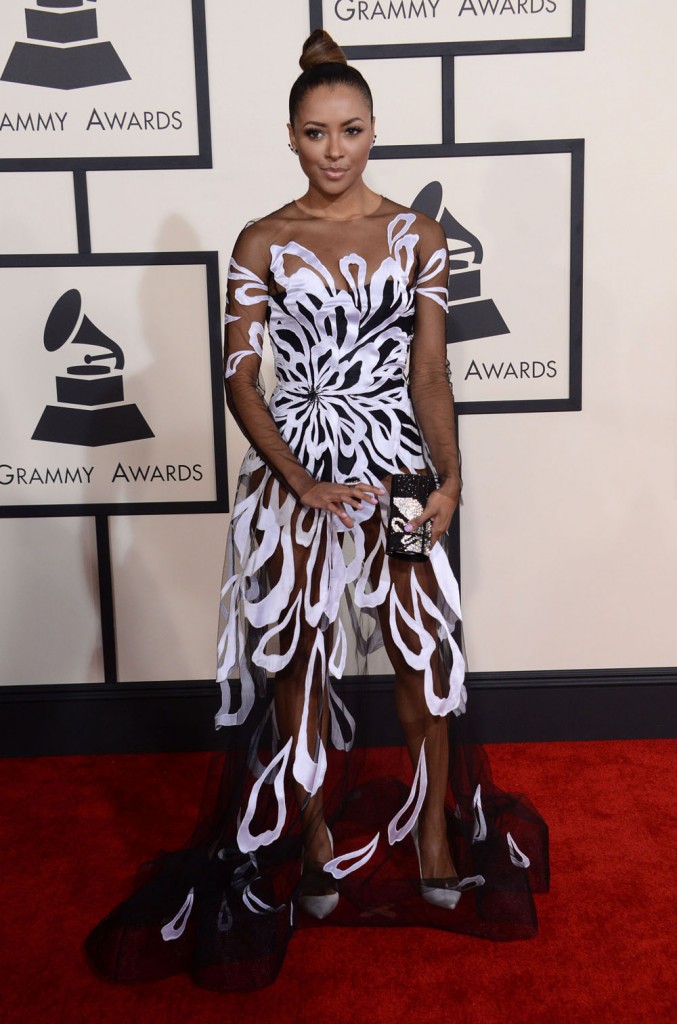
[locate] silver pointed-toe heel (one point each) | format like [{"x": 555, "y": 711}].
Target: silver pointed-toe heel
[
  {"x": 314, "y": 879},
  {"x": 440, "y": 892}
]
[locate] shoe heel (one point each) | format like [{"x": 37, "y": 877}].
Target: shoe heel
[
  {"x": 439, "y": 892},
  {"x": 322, "y": 905}
]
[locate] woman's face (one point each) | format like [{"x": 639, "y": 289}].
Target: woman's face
[{"x": 333, "y": 132}]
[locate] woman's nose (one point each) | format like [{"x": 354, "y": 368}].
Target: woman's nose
[{"x": 334, "y": 146}]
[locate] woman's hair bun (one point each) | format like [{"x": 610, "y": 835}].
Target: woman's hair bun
[
  {"x": 320, "y": 48},
  {"x": 324, "y": 64}
]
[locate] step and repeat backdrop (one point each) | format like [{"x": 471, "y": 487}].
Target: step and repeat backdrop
[{"x": 138, "y": 136}]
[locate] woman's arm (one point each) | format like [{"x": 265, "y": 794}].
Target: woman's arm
[
  {"x": 246, "y": 305},
  {"x": 430, "y": 388}
]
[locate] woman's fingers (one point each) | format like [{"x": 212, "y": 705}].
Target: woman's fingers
[
  {"x": 414, "y": 524},
  {"x": 364, "y": 492},
  {"x": 341, "y": 513},
  {"x": 335, "y": 497},
  {"x": 369, "y": 492},
  {"x": 439, "y": 525},
  {"x": 439, "y": 512}
]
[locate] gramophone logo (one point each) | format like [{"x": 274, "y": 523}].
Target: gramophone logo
[
  {"x": 64, "y": 51},
  {"x": 473, "y": 317},
  {"x": 90, "y": 409}
]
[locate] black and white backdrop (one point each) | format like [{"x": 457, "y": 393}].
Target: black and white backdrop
[{"x": 136, "y": 138}]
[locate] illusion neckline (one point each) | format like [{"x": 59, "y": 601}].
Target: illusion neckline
[{"x": 340, "y": 220}]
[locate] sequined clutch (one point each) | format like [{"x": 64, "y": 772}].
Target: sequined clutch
[{"x": 408, "y": 498}]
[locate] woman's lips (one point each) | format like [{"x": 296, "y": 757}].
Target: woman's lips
[{"x": 334, "y": 173}]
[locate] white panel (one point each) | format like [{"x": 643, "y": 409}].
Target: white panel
[
  {"x": 130, "y": 88},
  {"x": 569, "y": 550},
  {"x": 159, "y": 450},
  {"x": 390, "y": 22},
  {"x": 167, "y": 575},
  {"x": 49, "y": 602},
  {"x": 419, "y": 81},
  {"x": 616, "y": 92},
  {"x": 37, "y": 213}
]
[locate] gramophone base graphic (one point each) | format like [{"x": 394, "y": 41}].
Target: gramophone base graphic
[
  {"x": 92, "y": 427},
  {"x": 469, "y": 321},
  {"x": 73, "y": 68},
  {"x": 52, "y": 60}
]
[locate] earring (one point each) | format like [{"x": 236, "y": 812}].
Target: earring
[
  {"x": 294, "y": 151},
  {"x": 373, "y": 142}
]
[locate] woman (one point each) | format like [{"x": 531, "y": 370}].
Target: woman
[{"x": 352, "y": 287}]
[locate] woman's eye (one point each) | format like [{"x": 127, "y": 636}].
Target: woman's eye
[{"x": 317, "y": 133}]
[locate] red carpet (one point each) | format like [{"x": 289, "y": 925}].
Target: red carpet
[{"x": 73, "y": 830}]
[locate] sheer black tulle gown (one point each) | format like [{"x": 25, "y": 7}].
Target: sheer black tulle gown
[{"x": 311, "y": 611}]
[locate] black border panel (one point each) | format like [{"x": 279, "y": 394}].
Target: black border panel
[
  {"x": 81, "y": 197},
  {"x": 448, "y": 101},
  {"x": 106, "y": 599},
  {"x": 557, "y": 44},
  {"x": 210, "y": 261},
  {"x": 134, "y": 718},
  {"x": 201, "y": 159}
]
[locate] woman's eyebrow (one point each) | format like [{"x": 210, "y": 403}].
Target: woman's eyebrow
[{"x": 322, "y": 124}]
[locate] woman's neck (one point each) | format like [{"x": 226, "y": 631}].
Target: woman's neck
[{"x": 348, "y": 206}]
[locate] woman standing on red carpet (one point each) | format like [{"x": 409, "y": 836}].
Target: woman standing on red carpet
[{"x": 334, "y": 552}]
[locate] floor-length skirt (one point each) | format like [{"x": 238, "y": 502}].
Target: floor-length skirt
[{"x": 309, "y": 605}]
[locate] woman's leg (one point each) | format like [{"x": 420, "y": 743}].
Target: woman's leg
[
  {"x": 289, "y": 704},
  {"x": 290, "y": 684},
  {"x": 418, "y": 722}
]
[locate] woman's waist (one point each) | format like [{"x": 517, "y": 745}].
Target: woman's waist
[
  {"x": 353, "y": 429},
  {"x": 394, "y": 385}
]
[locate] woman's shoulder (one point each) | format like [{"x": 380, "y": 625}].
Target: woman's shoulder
[
  {"x": 271, "y": 223},
  {"x": 426, "y": 227},
  {"x": 255, "y": 238}
]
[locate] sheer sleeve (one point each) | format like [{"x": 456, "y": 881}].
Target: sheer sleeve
[
  {"x": 246, "y": 305},
  {"x": 430, "y": 387}
]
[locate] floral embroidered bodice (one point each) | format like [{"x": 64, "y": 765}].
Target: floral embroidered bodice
[{"x": 354, "y": 309}]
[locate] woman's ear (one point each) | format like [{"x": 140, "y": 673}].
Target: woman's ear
[{"x": 292, "y": 139}]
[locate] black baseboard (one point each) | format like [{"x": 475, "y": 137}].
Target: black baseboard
[{"x": 178, "y": 716}]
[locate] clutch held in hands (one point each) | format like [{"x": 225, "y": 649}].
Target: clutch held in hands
[{"x": 408, "y": 497}]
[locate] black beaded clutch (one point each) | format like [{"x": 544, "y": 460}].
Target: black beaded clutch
[{"x": 408, "y": 498}]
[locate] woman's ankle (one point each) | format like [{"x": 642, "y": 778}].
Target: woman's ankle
[
  {"x": 436, "y": 857},
  {"x": 317, "y": 844}
]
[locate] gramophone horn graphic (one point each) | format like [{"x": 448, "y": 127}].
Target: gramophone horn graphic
[
  {"x": 470, "y": 317},
  {"x": 64, "y": 51},
  {"x": 90, "y": 410}
]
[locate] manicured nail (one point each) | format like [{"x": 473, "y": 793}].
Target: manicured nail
[{"x": 409, "y": 528}]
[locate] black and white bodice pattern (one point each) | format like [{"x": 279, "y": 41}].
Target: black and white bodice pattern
[{"x": 341, "y": 351}]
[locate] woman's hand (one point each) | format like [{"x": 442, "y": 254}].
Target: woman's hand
[
  {"x": 439, "y": 511},
  {"x": 334, "y": 496}
]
